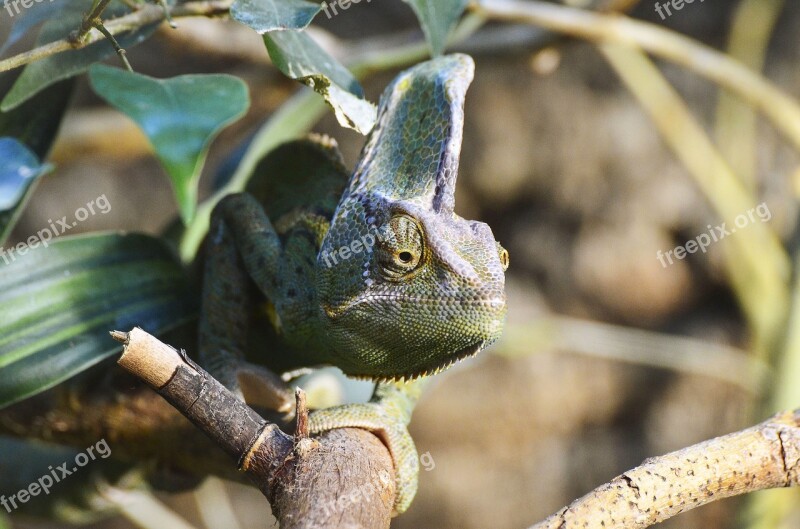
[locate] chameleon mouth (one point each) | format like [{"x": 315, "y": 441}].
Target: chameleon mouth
[{"x": 461, "y": 354}]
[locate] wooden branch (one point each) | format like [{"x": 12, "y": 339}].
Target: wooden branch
[
  {"x": 762, "y": 457},
  {"x": 345, "y": 478}
]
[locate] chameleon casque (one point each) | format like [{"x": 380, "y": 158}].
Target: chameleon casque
[{"x": 428, "y": 292}]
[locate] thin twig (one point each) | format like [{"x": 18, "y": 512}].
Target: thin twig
[
  {"x": 89, "y": 21},
  {"x": 149, "y": 14},
  {"x": 119, "y": 49},
  {"x": 165, "y": 7}
]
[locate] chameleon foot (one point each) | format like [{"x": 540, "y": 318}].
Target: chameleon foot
[{"x": 387, "y": 416}]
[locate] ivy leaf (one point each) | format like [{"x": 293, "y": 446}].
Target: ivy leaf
[
  {"x": 272, "y": 15},
  {"x": 438, "y": 17},
  {"x": 41, "y": 74},
  {"x": 19, "y": 170},
  {"x": 299, "y": 57},
  {"x": 58, "y": 303},
  {"x": 180, "y": 116}
]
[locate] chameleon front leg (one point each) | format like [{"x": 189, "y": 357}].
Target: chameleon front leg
[
  {"x": 387, "y": 415},
  {"x": 241, "y": 237}
]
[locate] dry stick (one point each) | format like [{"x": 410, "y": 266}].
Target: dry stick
[
  {"x": 762, "y": 457},
  {"x": 343, "y": 479}
]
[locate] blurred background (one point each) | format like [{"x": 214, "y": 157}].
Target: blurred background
[{"x": 609, "y": 356}]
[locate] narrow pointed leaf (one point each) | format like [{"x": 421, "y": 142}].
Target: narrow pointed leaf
[
  {"x": 438, "y": 17},
  {"x": 299, "y": 57},
  {"x": 272, "y": 15},
  {"x": 19, "y": 170},
  {"x": 36, "y": 122},
  {"x": 58, "y": 303},
  {"x": 180, "y": 116}
]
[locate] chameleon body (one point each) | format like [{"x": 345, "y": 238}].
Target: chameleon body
[{"x": 374, "y": 273}]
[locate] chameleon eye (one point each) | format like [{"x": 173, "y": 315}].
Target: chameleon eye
[
  {"x": 401, "y": 247},
  {"x": 502, "y": 253},
  {"x": 407, "y": 258}
]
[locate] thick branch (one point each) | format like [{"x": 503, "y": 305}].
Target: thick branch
[
  {"x": 343, "y": 479},
  {"x": 762, "y": 457}
]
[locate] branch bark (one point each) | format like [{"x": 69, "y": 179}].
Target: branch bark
[
  {"x": 345, "y": 478},
  {"x": 762, "y": 457}
]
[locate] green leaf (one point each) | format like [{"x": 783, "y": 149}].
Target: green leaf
[
  {"x": 35, "y": 122},
  {"x": 59, "y": 301},
  {"x": 272, "y": 15},
  {"x": 41, "y": 74},
  {"x": 180, "y": 116},
  {"x": 299, "y": 57},
  {"x": 19, "y": 170},
  {"x": 438, "y": 17}
]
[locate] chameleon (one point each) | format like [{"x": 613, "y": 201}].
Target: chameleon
[{"x": 372, "y": 272}]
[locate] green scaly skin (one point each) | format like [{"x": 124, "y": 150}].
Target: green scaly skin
[{"x": 387, "y": 284}]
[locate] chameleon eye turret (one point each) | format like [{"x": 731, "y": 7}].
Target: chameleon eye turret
[
  {"x": 400, "y": 247},
  {"x": 502, "y": 253}
]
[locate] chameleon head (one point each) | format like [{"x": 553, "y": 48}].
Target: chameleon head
[{"x": 407, "y": 287}]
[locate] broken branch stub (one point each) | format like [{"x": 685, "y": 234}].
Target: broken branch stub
[{"x": 345, "y": 478}]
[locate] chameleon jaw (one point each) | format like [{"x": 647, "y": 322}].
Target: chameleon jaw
[{"x": 462, "y": 354}]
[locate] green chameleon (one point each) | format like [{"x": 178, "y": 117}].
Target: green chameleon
[{"x": 374, "y": 273}]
